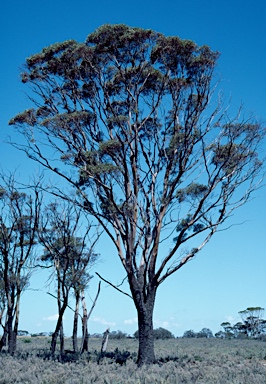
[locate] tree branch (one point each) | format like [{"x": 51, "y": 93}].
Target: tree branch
[
  {"x": 108, "y": 282},
  {"x": 48, "y": 293}
]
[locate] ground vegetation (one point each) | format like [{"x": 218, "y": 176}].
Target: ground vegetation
[{"x": 179, "y": 361}]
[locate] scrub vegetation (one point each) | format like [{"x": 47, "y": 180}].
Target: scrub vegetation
[{"x": 183, "y": 360}]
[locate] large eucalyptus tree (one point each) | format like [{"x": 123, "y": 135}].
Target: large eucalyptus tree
[{"x": 127, "y": 114}]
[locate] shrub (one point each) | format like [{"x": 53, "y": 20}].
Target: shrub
[
  {"x": 118, "y": 335},
  {"x": 189, "y": 334},
  {"x": 163, "y": 334},
  {"x": 159, "y": 334},
  {"x": 205, "y": 332},
  {"x": 23, "y": 333}
]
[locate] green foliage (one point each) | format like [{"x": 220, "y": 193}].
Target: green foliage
[
  {"x": 2, "y": 192},
  {"x": 162, "y": 334},
  {"x": 26, "y": 117},
  {"x": 204, "y": 333},
  {"x": 230, "y": 157},
  {"x": 23, "y": 333},
  {"x": 192, "y": 191},
  {"x": 253, "y": 325},
  {"x": 190, "y": 334}
]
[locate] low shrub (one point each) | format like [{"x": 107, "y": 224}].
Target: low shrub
[{"x": 179, "y": 361}]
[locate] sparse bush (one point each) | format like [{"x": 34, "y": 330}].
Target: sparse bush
[
  {"x": 179, "y": 361},
  {"x": 117, "y": 356}
]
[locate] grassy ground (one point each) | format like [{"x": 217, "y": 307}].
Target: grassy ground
[{"x": 201, "y": 361}]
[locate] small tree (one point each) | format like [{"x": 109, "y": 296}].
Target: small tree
[
  {"x": 128, "y": 114},
  {"x": 23, "y": 333},
  {"x": 19, "y": 215},
  {"x": 117, "y": 335},
  {"x": 205, "y": 332},
  {"x": 71, "y": 257},
  {"x": 189, "y": 334},
  {"x": 219, "y": 335},
  {"x": 253, "y": 323},
  {"x": 158, "y": 334},
  {"x": 162, "y": 334},
  {"x": 228, "y": 330},
  {"x": 240, "y": 330}
]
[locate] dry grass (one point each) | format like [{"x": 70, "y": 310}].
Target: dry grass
[{"x": 198, "y": 361}]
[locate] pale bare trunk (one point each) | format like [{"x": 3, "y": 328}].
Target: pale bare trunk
[
  {"x": 75, "y": 324},
  {"x": 105, "y": 340},
  {"x": 85, "y": 334}
]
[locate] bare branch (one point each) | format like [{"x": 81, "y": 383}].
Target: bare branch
[{"x": 108, "y": 282}]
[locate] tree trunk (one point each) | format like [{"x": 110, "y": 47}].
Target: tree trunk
[
  {"x": 86, "y": 337},
  {"x": 10, "y": 333},
  {"x": 5, "y": 334},
  {"x": 57, "y": 329},
  {"x": 105, "y": 340},
  {"x": 75, "y": 324},
  {"x": 15, "y": 330},
  {"x": 145, "y": 310},
  {"x": 85, "y": 334},
  {"x": 62, "y": 338},
  {"x": 3, "y": 339}
]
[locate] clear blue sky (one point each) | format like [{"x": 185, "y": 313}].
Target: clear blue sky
[{"x": 229, "y": 274}]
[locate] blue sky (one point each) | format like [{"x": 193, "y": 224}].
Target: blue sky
[{"x": 229, "y": 274}]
